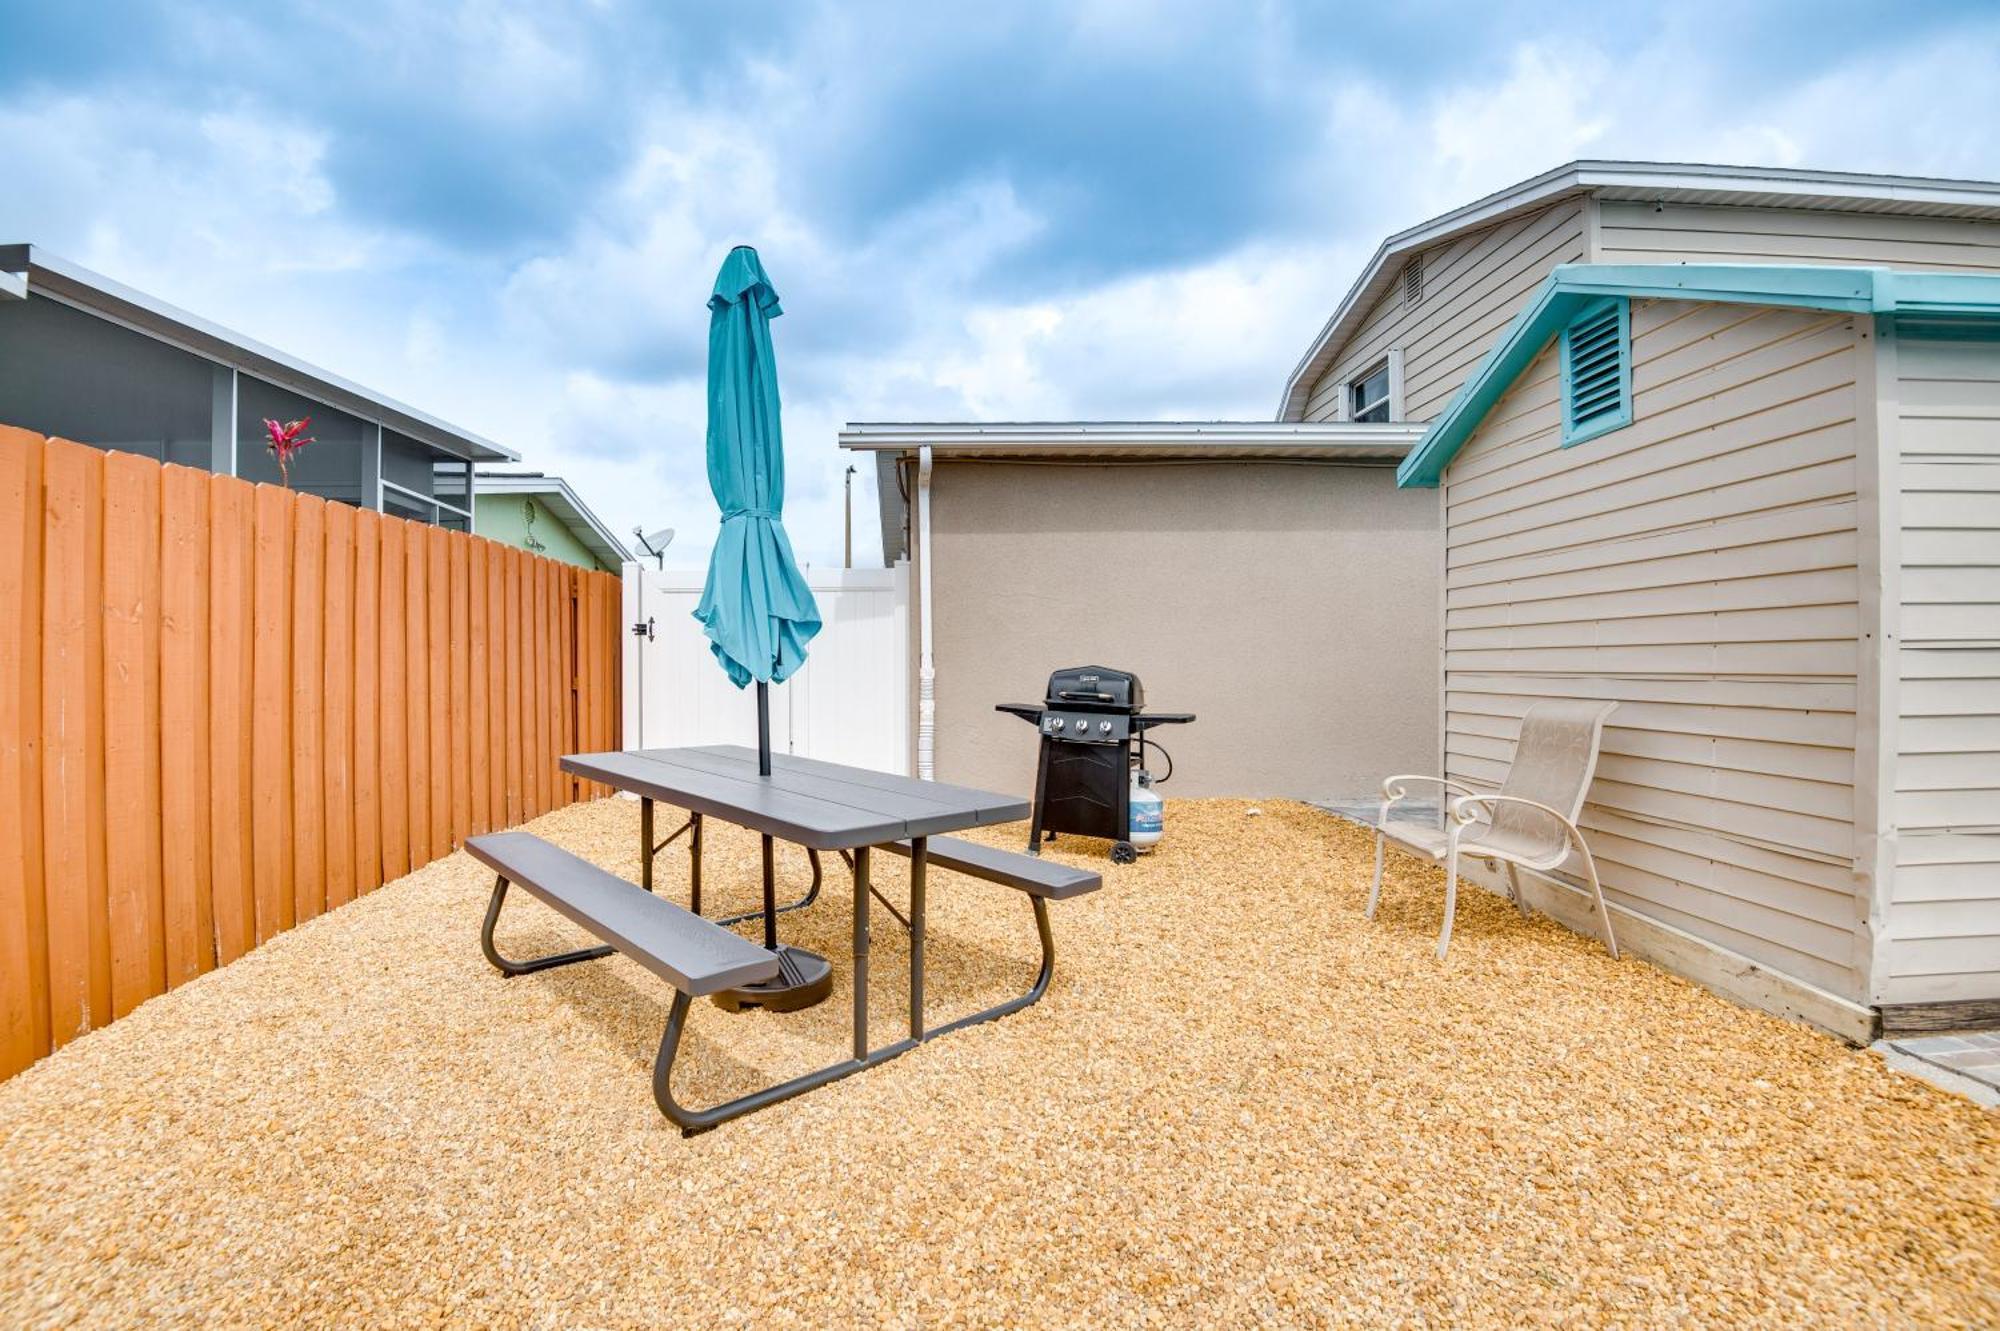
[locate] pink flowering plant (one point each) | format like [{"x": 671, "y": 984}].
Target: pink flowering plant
[{"x": 286, "y": 440}]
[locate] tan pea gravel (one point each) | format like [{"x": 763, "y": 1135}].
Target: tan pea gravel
[{"x": 1238, "y": 1105}]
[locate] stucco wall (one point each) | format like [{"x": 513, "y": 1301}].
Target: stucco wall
[
  {"x": 1294, "y": 608},
  {"x": 501, "y": 517}
]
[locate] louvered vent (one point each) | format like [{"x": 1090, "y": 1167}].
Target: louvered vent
[
  {"x": 1597, "y": 370},
  {"x": 1413, "y": 280}
]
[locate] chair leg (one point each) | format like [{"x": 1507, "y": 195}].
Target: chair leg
[
  {"x": 1514, "y": 886},
  {"x": 1450, "y": 897},
  {"x": 1375, "y": 891},
  {"x": 1597, "y": 892}
]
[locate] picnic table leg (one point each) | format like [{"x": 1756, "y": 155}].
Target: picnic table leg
[
  {"x": 861, "y": 952},
  {"x": 919, "y": 862},
  {"x": 770, "y": 899},
  {"x": 646, "y": 842},
  {"x": 694, "y": 864}
]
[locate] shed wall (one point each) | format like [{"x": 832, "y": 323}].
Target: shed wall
[
  {"x": 1293, "y": 608},
  {"x": 1472, "y": 287},
  {"x": 1700, "y": 567},
  {"x": 1943, "y": 921}
]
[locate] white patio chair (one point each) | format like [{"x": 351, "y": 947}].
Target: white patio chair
[{"x": 1529, "y": 824}]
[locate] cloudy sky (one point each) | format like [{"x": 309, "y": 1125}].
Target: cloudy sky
[{"x": 510, "y": 215}]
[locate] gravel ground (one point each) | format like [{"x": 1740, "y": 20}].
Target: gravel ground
[{"x": 1237, "y": 1105}]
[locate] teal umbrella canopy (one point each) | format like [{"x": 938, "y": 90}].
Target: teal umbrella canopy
[{"x": 756, "y": 608}]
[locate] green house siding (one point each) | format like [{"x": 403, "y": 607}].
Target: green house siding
[{"x": 504, "y": 518}]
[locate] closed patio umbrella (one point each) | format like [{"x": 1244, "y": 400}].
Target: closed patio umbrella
[{"x": 756, "y": 608}]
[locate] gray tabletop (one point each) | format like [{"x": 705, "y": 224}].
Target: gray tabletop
[{"x": 826, "y": 806}]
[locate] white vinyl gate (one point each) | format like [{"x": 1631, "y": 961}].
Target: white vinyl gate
[{"x": 848, "y": 704}]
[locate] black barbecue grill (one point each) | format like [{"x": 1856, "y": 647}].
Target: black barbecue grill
[{"x": 1093, "y": 723}]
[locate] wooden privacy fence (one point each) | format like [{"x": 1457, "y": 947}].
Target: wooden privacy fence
[{"x": 226, "y": 708}]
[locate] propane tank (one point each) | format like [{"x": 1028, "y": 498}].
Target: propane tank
[{"x": 1148, "y": 812}]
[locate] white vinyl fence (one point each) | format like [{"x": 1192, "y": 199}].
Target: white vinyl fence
[{"x": 848, "y": 704}]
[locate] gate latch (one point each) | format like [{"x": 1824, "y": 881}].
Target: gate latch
[{"x": 644, "y": 630}]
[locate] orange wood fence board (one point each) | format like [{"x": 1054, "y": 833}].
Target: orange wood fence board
[
  {"x": 131, "y": 609},
  {"x": 367, "y": 693},
  {"x": 417, "y": 692},
  {"x": 585, "y": 662},
  {"x": 72, "y": 739},
  {"x": 478, "y": 725},
  {"x": 231, "y": 549},
  {"x": 585, "y": 790},
  {"x": 186, "y": 898},
  {"x": 531, "y": 691},
  {"x": 558, "y": 743},
  {"x": 308, "y": 715},
  {"x": 510, "y": 561},
  {"x": 539, "y": 746},
  {"x": 392, "y": 690},
  {"x": 533, "y": 685},
  {"x": 437, "y": 577},
  {"x": 24, "y": 1014},
  {"x": 545, "y": 699},
  {"x": 496, "y": 683},
  {"x": 271, "y": 713},
  {"x": 458, "y": 549},
  {"x": 336, "y": 690}
]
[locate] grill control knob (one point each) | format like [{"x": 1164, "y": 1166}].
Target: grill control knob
[
  {"x": 1104, "y": 726},
  {"x": 1058, "y": 723}
]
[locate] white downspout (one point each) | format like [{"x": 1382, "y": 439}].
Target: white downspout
[{"x": 926, "y": 664}]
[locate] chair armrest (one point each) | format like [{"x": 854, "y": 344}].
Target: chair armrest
[
  {"x": 1462, "y": 808},
  {"x": 1392, "y": 787},
  {"x": 1462, "y": 814}
]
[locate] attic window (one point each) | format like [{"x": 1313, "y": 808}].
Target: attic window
[
  {"x": 1413, "y": 280},
  {"x": 1368, "y": 395},
  {"x": 1597, "y": 370}
]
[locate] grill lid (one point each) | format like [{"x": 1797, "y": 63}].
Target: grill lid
[{"x": 1096, "y": 687}]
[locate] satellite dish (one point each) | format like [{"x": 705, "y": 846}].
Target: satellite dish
[{"x": 655, "y": 544}]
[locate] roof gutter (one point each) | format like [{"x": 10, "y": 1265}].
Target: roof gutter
[{"x": 1139, "y": 440}]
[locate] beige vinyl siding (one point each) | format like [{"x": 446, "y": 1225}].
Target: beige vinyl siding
[
  {"x": 1686, "y": 233},
  {"x": 1698, "y": 566},
  {"x": 1472, "y": 287},
  {"x": 1944, "y": 913}
]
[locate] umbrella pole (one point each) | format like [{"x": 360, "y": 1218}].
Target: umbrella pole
[
  {"x": 763, "y": 728},
  {"x": 764, "y": 769}
]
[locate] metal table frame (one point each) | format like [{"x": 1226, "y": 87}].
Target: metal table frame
[{"x": 692, "y": 1121}]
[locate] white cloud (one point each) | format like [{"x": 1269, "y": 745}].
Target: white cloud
[{"x": 586, "y": 354}]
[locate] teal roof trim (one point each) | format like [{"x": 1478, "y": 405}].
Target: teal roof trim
[{"x": 1933, "y": 300}]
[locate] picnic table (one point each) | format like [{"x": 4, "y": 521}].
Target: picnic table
[{"x": 821, "y": 806}]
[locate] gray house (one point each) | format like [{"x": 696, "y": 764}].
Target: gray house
[{"x": 85, "y": 358}]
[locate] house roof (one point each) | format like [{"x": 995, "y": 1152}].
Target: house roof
[
  {"x": 1106, "y": 442},
  {"x": 559, "y": 499},
  {"x": 1936, "y": 303},
  {"x": 26, "y": 269},
  {"x": 1643, "y": 182}
]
